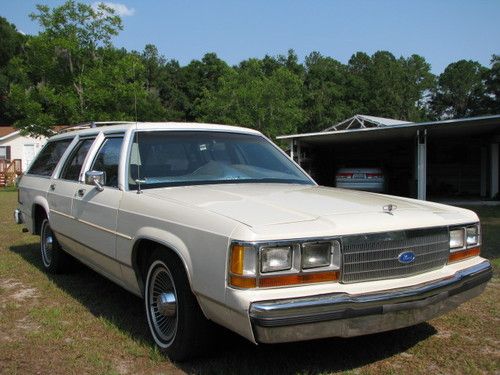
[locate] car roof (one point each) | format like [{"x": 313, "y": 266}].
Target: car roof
[{"x": 155, "y": 126}]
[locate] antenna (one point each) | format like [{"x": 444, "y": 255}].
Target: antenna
[{"x": 138, "y": 180}]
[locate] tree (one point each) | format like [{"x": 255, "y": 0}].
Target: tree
[
  {"x": 324, "y": 92},
  {"x": 418, "y": 81},
  {"x": 12, "y": 41},
  {"x": 382, "y": 85},
  {"x": 11, "y": 45},
  {"x": 75, "y": 31},
  {"x": 492, "y": 105},
  {"x": 460, "y": 90},
  {"x": 200, "y": 76},
  {"x": 71, "y": 73},
  {"x": 248, "y": 97}
]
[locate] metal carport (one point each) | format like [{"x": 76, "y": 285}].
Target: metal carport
[{"x": 475, "y": 139}]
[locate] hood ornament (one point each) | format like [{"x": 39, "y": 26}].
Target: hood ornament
[{"x": 389, "y": 208}]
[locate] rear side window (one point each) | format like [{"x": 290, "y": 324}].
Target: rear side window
[
  {"x": 107, "y": 160},
  {"x": 74, "y": 164},
  {"x": 47, "y": 159}
]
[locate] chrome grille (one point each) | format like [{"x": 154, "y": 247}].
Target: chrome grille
[{"x": 375, "y": 256}]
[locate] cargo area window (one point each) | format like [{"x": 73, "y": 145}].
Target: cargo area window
[{"x": 48, "y": 158}]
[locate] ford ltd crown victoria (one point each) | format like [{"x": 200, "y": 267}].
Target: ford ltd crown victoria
[{"x": 216, "y": 223}]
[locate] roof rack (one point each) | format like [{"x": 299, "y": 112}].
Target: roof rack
[{"x": 92, "y": 124}]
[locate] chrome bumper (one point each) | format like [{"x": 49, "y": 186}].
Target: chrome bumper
[
  {"x": 344, "y": 315},
  {"x": 18, "y": 216}
]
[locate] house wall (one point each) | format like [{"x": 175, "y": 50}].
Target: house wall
[{"x": 20, "y": 147}]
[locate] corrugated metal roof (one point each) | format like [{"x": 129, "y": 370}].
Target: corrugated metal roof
[{"x": 464, "y": 126}]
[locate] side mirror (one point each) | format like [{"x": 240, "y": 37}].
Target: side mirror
[{"x": 97, "y": 178}]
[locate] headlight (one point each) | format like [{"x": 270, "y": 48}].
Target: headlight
[
  {"x": 457, "y": 238},
  {"x": 472, "y": 235},
  {"x": 316, "y": 254},
  {"x": 284, "y": 263},
  {"x": 276, "y": 259},
  {"x": 464, "y": 243}
]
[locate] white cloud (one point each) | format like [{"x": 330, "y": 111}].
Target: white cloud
[{"x": 120, "y": 9}]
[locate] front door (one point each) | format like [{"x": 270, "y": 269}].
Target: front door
[{"x": 96, "y": 211}]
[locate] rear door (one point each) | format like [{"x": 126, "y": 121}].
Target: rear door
[{"x": 62, "y": 191}]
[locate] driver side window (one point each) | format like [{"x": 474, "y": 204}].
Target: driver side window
[{"x": 108, "y": 159}]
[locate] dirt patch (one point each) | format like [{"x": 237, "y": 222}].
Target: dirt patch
[{"x": 15, "y": 291}]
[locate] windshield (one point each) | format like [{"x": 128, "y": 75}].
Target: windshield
[{"x": 177, "y": 158}]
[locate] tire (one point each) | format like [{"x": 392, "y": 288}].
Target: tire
[
  {"x": 176, "y": 323},
  {"x": 54, "y": 259}
]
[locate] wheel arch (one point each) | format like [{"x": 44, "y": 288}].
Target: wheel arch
[
  {"x": 39, "y": 210},
  {"x": 150, "y": 238}
]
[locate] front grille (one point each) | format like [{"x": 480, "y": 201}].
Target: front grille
[{"x": 375, "y": 256}]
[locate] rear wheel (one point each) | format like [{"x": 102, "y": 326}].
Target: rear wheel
[
  {"x": 54, "y": 259},
  {"x": 175, "y": 320}
]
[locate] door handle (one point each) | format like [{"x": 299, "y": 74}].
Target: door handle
[
  {"x": 52, "y": 187},
  {"x": 80, "y": 192}
]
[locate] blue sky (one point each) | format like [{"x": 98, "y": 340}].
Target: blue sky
[{"x": 443, "y": 31}]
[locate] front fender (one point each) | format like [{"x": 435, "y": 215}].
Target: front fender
[{"x": 166, "y": 239}]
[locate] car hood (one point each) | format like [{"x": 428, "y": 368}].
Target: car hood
[{"x": 258, "y": 205}]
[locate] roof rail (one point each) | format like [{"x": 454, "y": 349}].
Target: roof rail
[{"x": 92, "y": 124}]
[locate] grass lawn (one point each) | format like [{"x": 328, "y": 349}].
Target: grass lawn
[{"x": 82, "y": 323}]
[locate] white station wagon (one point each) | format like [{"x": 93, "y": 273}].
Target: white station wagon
[{"x": 212, "y": 222}]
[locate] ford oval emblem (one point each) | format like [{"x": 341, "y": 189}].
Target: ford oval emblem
[{"x": 406, "y": 257}]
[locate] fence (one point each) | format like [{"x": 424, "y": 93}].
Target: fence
[{"x": 9, "y": 171}]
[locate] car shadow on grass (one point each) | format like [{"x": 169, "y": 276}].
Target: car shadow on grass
[{"x": 228, "y": 352}]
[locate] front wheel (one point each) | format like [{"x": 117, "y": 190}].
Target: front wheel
[
  {"x": 54, "y": 259},
  {"x": 175, "y": 320}
]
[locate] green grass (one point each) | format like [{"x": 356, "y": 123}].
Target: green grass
[
  {"x": 82, "y": 323},
  {"x": 8, "y": 189}
]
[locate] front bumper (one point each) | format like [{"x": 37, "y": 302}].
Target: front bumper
[{"x": 347, "y": 315}]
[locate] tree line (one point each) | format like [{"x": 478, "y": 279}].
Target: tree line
[{"x": 71, "y": 73}]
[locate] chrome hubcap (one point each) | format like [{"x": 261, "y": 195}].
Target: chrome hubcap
[
  {"x": 163, "y": 303},
  {"x": 47, "y": 246},
  {"x": 167, "y": 304}
]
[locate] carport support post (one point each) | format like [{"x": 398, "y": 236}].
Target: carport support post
[
  {"x": 422, "y": 164},
  {"x": 494, "y": 169},
  {"x": 484, "y": 171},
  {"x": 299, "y": 152},
  {"x": 291, "y": 149}
]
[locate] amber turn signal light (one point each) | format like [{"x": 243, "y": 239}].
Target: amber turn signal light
[
  {"x": 237, "y": 258},
  {"x": 306, "y": 278},
  {"x": 242, "y": 282},
  {"x": 464, "y": 254}
]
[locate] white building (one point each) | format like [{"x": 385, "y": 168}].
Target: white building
[{"x": 15, "y": 146}]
